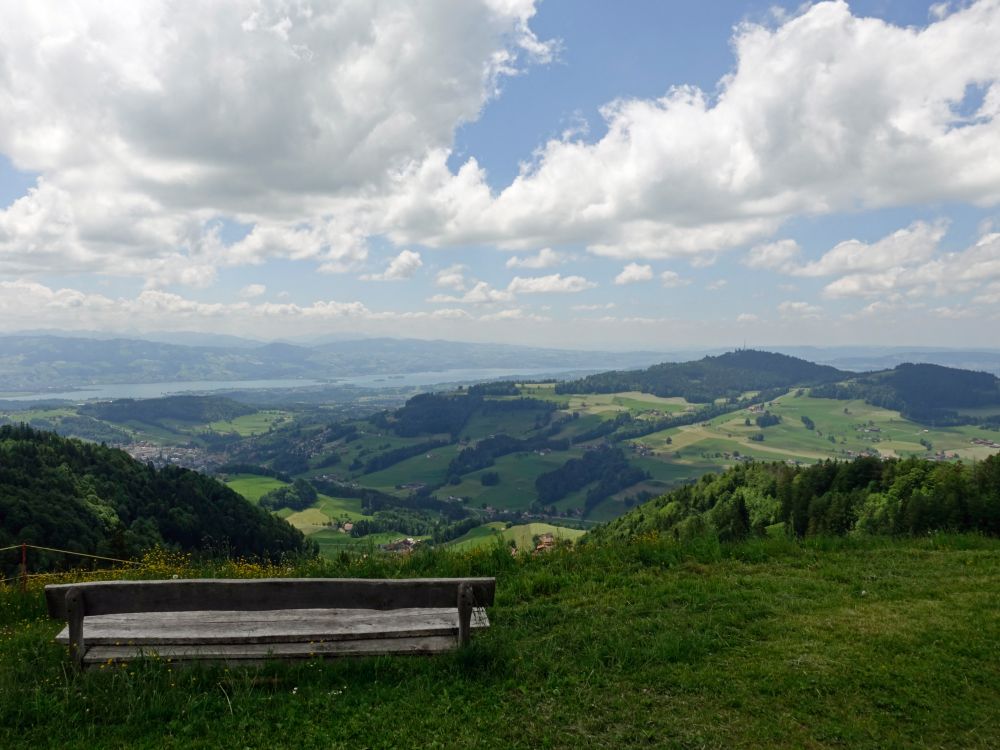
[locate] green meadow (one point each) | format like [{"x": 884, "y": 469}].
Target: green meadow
[
  {"x": 251, "y": 424},
  {"x": 522, "y": 535},
  {"x": 828, "y": 643}
]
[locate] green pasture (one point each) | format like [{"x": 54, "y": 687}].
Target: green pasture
[
  {"x": 253, "y": 486},
  {"x": 251, "y": 424},
  {"x": 853, "y": 642},
  {"x": 521, "y": 534},
  {"x": 514, "y": 423},
  {"x": 853, "y": 425},
  {"x": 429, "y": 470},
  {"x": 332, "y": 542}
]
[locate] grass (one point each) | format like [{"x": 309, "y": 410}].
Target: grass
[
  {"x": 862, "y": 643},
  {"x": 522, "y": 535},
  {"x": 253, "y": 486},
  {"x": 845, "y": 421},
  {"x": 251, "y": 424}
]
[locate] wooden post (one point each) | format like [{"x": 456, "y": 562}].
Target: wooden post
[
  {"x": 24, "y": 567},
  {"x": 466, "y": 601},
  {"x": 75, "y": 611}
]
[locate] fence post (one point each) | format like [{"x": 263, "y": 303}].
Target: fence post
[{"x": 24, "y": 567}]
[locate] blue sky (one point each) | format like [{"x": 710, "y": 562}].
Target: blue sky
[{"x": 578, "y": 174}]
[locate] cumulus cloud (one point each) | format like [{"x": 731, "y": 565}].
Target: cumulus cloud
[
  {"x": 252, "y": 290},
  {"x": 403, "y": 266},
  {"x": 480, "y": 294},
  {"x": 781, "y": 256},
  {"x": 904, "y": 247},
  {"x": 747, "y": 318},
  {"x": 714, "y": 286},
  {"x": 633, "y": 273},
  {"x": 552, "y": 284},
  {"x": 148, "y": 121},
  {"x": 452, "y": 277},
  {"x": 799, "y": 310},
  {"x": 672, "y": 280},
  {"x": 590, "y": 308},
  {"x": 938, "y": 273},
  {"x": 545, "y": 258},
  {"x": 823, "y": 113}
]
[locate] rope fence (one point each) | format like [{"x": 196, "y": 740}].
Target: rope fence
[{"x": 23, "y": 576}]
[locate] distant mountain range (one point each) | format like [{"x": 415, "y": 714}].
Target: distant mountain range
[{"x": 38, "y": 362}]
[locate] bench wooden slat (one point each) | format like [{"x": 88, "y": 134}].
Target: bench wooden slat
[
  {"x": 270, "y": 626},
  {"x": 115, "y": 597},
  {"x": 255, "y": 653}
]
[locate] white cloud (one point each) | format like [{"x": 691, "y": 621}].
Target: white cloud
[
  {"x": 148, "y": 121},
  {"x": 826, "y": 112},
  {"x": 546, "y": 258},
  {"x": 590, "y": 308},
  {"x": 904, "y": 247},
  {"x": 747, "y": 318},
  {"x": 554, "y": 283},
  {"x": 480, "y": 294},
  {"x": 633, "y": 273},
  {"x": 515, "y": 314},
  {"x": 252, "y": 290},
  {"x": 777, "y": 256},
  {"x": 403, "y": 266},
  {"x": 799, "y": 310},
  {"x": 937, "y": 274},
  {"x": 672, "y": 280},
  {"x": 716, "y": 285},
  {"x": 452, "y": 277}
]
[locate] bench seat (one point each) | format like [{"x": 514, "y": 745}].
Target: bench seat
[
  {"x": 253, "y": 636},
  {"x": 252, "y": 620}
]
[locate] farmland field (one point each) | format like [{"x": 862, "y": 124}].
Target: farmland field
[
  {"x": 251, "y": 424},
  {"x": 522, "y": 535},
  {"x": 253, "y": 486}
]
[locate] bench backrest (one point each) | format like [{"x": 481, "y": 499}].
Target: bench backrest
[{"x": 254, "y": 594}]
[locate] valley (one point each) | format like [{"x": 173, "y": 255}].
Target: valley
[{"x": 483, "y": 464}]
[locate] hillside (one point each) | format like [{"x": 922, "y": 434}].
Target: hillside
[
  {"x": 866, "y": 495},
  {"x": 726, "y": 376},
  {"x": 856, "y": 642},
  {"x": 924, "y": 392},
  {"x": 35, "y": 363},
  {"x": 66, "y": 494}
]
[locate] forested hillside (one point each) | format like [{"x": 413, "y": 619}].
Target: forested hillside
[
  {"x": 726, "y": 376},
  {"x": 67, "y": 494},
  {"x": 867, "y": 495},
  {"x": 922, "y": 392},
  {"x": 179, "y": 408}
]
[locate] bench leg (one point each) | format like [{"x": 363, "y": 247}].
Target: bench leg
[
  {"x": 466, "y": 601},
  {"x": 75, "y": 611}
]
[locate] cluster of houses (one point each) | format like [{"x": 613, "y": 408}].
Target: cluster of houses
[
  {"x": 986, "y": 443},
  {"x": 167, "y": 455}
]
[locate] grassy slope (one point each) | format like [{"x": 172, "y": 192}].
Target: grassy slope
[
  {"x": 791, "y": 440},
  {"x": 847, "y": 643},
  {"x": 521, "y": 534}
]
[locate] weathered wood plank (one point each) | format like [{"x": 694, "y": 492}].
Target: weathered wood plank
[
  {"x": 305, "y": 625},
  {"x": 254, "y": 653},
  {"x": 111, "y": 597}
]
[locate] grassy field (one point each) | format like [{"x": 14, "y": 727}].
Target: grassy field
[
  {"x": 860, "y": 643},
  {"x": 429, "y": 468},
  {"x": 310, "y": 521},
  {"x": 842, "y": 429},
  {"x": 253, "y": 486},
  {"x": 521, "y": 534},
  {"x": 252, "y": 424}
]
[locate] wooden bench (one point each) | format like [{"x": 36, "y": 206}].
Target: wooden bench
[{"x": 253, "y": 620}]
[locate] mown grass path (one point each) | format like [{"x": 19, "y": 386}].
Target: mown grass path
[{"x": 832, "y": 643}]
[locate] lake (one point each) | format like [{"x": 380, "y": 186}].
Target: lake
[{"x": 397, "y": 380}]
